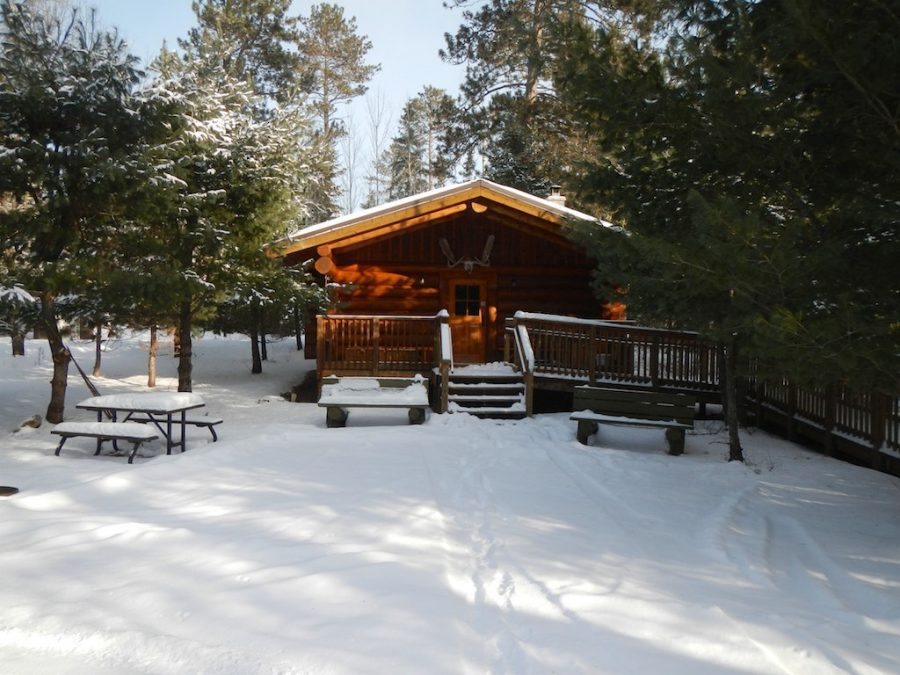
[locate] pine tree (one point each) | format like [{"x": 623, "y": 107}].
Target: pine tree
[
  {"x": 227, "y": 184},
  {"x": 417, "y": 157},
  {"x": 68, "y": 128},
  {"x": 18, "y": 313},
  {"x": 718, "y": 146},
  {"x": 335, "y": 71},
  {"x": 508, "y": 108},
  {"x": 249, "y": 38}
]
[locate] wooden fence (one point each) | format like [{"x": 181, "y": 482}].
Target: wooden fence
[{"x": 862, "y": 424}]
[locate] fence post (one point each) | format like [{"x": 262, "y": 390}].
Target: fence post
[
  {"x": 593, "y": 356},
  {"x": 324, "y": 343},
  {"x": 654, "y": 362},
  {"x": 792, "y": 412},
  {"x": 529, "y": 393},
  {"x": 444, "y": 404},
  {"x": 830, "y": 418},
  {"x": 376, "y": 346}
]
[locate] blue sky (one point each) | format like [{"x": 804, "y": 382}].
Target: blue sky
[{"x": 405, "y": 35}]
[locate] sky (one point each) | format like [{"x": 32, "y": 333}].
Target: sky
[{"x": 405, "y": 34}]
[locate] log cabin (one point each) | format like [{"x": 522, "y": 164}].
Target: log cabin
[
  {"x": 470, "y": 256},
  {"x": 479, "y": 250}
]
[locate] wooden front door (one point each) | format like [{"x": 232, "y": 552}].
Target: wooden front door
[{"x": 468, "y": 303}]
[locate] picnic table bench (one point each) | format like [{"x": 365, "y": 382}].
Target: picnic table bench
[
  {"x": 597, "y": 405},
  {"x": 199, "y": 421},
  {"x": 341, "y": 393},
  {"x": 132, "y": 432}
]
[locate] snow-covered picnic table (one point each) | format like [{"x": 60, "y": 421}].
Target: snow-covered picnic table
[
  {"x": 340, "y": 393},
  {"x": 165, "y": 410}
]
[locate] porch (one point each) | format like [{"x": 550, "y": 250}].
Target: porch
[{"x": 543, "y": 351}]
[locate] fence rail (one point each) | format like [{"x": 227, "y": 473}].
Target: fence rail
[{"x": 836, "y": 416}]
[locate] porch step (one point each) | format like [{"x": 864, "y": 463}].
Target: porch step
[{"x": 495, "y": 394}]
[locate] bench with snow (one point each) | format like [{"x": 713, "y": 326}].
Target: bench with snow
[
  {"x": 596, "y": 405},
  {"x": 198, "y": 421},
  {"x": 341, "y": 393},
  {"x": 105, "y": 431}
]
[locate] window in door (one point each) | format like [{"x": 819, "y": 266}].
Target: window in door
[{"x": 468, "y": 300}]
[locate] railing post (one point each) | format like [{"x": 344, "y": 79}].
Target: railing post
[
  {"x": 593, "y": 355},
  {"x": 654, "y": 362},
  {"x": 443, "y": 320},
  {"x": 879, "y": 417},
  {"x": 792, "y": 412},
  {"x": 529, "y": 393},
  {"x": 323, "y": 344},
  {"x": 830, "y": 417},
  {"x": 376, "y": 343}
]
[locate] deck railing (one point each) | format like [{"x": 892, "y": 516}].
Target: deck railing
[
  {"x": 835, "y": 416},
  {"x": 862, "y": 423},
  {"x": 386, "y": 346},
  {"x": 517, "y": 351},
  {"x": 613, "y": 353},
  {"x": 376, "y": 345},
  {"x": 617, "y": 352}
]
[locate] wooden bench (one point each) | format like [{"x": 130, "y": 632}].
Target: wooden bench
[
  {"x": 199, "y": 421},
  {"x": 596, "y": 405},
  {"x": 341, "y": 393},
  {"x": 133, "y": 432}
]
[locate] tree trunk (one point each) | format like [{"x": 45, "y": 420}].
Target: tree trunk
[
  {"x": 732, "y": 416},
  {"x": 263, "y": 349},
  {"x": 185, "y": 342},
  {"x": 56, "y": 407},
  {"x": 298, "y": 328},
  {"x": 256, "y": 367},
  {"x": 98, "y": 348},
  {"x": 18, "y": 344},
  {"x": 151, "y": 358}
]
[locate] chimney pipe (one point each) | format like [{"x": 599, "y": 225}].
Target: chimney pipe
[{"x": 556, "y": 195}]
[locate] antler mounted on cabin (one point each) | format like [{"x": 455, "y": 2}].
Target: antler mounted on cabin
[{"x": 468, "y": 263}]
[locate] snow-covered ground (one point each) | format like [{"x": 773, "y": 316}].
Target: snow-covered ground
[{"x": 458, "y": 546}]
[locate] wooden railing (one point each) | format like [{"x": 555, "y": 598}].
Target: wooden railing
[
  {"x": 385, "y": 346},
  {"x": 517, "y": 351},
  {"x": 619, "y": 353},
  {"x": 376, "y": 345},
  {"x": 863, "y": 424},
  {"x": 837, "y": 417}
]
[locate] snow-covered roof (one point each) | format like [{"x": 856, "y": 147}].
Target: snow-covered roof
[{"x": 423, "y": 203}]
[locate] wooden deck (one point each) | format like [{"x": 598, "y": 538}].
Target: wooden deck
[{"x": 555, "y": 352}]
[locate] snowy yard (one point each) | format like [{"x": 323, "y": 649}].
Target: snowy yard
[{"x": 458, "y": 546}]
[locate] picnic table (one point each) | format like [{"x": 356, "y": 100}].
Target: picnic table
[{"x": 165, "y": 410}]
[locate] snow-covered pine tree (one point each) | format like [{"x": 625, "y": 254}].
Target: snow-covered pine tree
[
  {"x": 227, "y": 184},
  {"x": 68, "y": 130}
]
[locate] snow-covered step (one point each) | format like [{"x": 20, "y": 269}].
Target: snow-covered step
[{"x": 488, "y": 391}]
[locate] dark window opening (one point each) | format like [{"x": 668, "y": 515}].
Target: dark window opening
[{"x": 468, "y": 300}]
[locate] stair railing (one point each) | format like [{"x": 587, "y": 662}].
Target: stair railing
[
  {"x": 443, "y": 349},
  {"x": 517, "y": 350}
]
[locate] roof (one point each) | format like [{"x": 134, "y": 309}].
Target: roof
[{"x": 425, "y": 207}]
